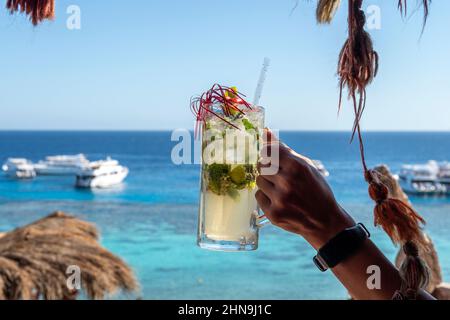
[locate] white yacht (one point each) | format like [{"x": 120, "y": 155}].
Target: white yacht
[
  {"x": 61, "y": 165},
  {"x": 101, "y": 174},
  {"x": 319, "y": 166},
  {"x": 444, "y": 175},
  {"x": 19, "y": 168},
  {"x": 421, "y": 179}
]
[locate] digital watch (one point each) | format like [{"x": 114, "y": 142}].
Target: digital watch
[{"x": 342, "y": 246}]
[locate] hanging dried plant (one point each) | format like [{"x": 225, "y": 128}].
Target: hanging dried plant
[
  {"x": 37, "y": 10},
  {"x": 357, "y": 67},
  {"x": 358, "y": 61},
  {"x": 403, "y": 7},
  {"x": 326, "y": 9}
]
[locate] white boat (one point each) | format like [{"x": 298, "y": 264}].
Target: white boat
[
  {"x": 61, "y": 165},
  {"x": 19, "y": 168},
  {"x": 101, "y": 174},
  {"x": 421, "y": 179},
  {"x": 444, "y": 175},
  {"x": 319, "y": 166}
]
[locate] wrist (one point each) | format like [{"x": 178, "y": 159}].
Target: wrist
[
  {"x": 340, "y": 221},
  {"x": 343, "y": 246}
]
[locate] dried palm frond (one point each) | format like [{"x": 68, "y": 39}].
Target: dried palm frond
[
  {"x": 357, "y": 67},
  {"x": 37, "y": 10},
  {"x": 326, "y": 9},
  {"x": 403, "y": 7},
  {"x": 34, "y": 261},
  {"x": 358, "y": 62}
]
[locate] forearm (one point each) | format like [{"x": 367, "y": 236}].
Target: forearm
[
  {"x": 368, "y": 274},
  {"x": 299, "y": 200},
  {"x": 355, "y": 274}
]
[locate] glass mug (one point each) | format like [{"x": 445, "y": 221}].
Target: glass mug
[{"x": 229, "y": 218}]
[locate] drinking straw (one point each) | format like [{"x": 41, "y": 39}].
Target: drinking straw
[{"x": 262, "y": 79}]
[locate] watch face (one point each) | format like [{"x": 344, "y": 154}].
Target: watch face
[{"x": 317, "y": 261}]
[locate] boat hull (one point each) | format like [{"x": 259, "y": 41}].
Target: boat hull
[
  {"x": 20, "y": 174},
  {"x": 431, "y": 189},
  {"x": 27, "y": 175},
  {"x": 56, "y": 171},
  {"x": 19, "y": 169},
  {"x": 104, "y": 181},
  {"x": 446, "y": 184}
]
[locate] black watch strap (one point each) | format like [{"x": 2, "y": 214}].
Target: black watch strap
[{"x": 341, "y": 247}]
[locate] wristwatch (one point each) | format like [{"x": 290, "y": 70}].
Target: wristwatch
[{"x": 342, "y": 246}]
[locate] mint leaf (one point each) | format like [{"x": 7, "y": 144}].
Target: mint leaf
[{"x": 248, "y": 125}]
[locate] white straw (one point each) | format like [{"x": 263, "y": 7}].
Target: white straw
[{"x": 262, "y": 79}]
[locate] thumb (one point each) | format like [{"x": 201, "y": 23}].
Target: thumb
[{"x": 269, "y": 137}]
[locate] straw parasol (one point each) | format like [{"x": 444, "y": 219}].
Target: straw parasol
[{"x": 34, "y": 260}]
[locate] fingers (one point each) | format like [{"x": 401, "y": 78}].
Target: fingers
[
  {"x": 305, "y": 159},
  {"x": 265, "y": 185},
  {"x": 269, "y": 136},
  {"x": 263, "y": 201},
  {"x": 273, "y": 155}
]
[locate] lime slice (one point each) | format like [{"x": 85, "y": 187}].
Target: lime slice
[{"x": 237, "y": 175}]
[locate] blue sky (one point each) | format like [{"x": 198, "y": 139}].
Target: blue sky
[{"x": 134, "y": 65}]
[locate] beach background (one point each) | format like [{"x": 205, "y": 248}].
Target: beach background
[{"x": 150, "y": 220}]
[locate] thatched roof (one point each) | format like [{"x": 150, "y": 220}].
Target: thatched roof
[{"x": 34, "y": 260}]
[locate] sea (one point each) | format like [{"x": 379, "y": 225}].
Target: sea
[{"x": 151, "y": 219}]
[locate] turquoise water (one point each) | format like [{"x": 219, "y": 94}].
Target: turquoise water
[{"x": 150, "y": 221}]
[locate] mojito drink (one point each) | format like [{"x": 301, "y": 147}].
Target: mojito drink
[{"x": 230, "y": 150}]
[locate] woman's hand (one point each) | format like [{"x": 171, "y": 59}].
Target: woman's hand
[{"x": 298, "y": 198}]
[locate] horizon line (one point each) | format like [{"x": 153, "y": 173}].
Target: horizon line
[{"x": 170, "y": 130}]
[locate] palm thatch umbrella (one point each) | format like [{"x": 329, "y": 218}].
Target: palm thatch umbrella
[{"x": 34, "y": 260}]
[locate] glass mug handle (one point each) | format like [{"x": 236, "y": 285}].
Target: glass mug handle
[{"x": 261, "y": 219}]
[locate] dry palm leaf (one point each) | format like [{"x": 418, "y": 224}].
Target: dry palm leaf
[
  {"x": 34, "y": 260},
  {"x": 37, "y": 10},
  {"x": 326, "y": 10},
  {"x": 357, "y": 67}
]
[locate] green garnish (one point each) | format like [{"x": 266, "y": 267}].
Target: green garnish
[
  {"x": 225, "y": 179},
  {"x": 237, "y": 175},
  {"x": 217, "y": 175},
  {"x": 248, "y": 125}
]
